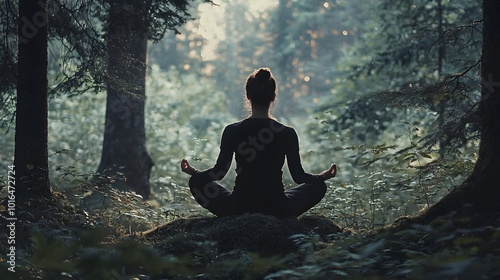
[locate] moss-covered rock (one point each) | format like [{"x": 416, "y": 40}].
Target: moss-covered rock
[{"x": 257, "y": 233}]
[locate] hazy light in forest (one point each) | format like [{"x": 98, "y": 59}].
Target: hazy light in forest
[{"x": 213, "y": 22}]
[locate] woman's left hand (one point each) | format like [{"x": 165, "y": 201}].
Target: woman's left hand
[{"x": 187, "y": 168}]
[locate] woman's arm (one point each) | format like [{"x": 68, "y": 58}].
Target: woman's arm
[
  {"x": 217, "y": 172},
  {"x": 298, "y": 174},
  {"x": 295, "y": 166},
  {"x": 221, "y": 167}
]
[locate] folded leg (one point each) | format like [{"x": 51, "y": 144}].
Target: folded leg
[
  {"x": 304, "y": 197},
  {"x": 212, "y": 196}
]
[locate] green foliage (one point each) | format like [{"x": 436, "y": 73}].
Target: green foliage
[
  {"x": 184, "y": 118},
  {"x": 417, "y": 252},
  {"x": 403, "y": 126},
  {"x": 382, "y": 176},
  {"x": 89, "y": 256},
  {"x": 308, "y": 40},
  {"x": 238, "y": 248}
]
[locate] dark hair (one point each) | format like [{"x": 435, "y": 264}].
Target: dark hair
[{"x": 261, "y": 87}]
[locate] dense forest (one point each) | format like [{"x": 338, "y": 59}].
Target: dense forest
[{"x": 101, "y": 100}]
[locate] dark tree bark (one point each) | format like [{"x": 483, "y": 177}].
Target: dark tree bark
[
  {"x": 481, "y": 189},
  {"x": 487, "y": 189},
  {"x": 124, "y": 146},
  {"x": 30, "y": 155}
]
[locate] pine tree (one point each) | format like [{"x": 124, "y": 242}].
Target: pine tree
[{"x": 30, "y": 156}]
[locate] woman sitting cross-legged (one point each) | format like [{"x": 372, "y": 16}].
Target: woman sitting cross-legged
[{"x": 260, "y": 145}]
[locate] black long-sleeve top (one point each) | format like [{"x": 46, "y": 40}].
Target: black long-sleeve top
[{"x": 260, "y": 147}]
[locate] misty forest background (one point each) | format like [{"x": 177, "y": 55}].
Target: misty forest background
[
  {"x": 388, "y": 90},
  {"x": 328, "y": 57}
]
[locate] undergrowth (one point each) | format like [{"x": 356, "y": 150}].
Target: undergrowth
[{"x": 64, "y": 241}]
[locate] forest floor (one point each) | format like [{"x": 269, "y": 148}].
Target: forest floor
[{"x": 55, "y": 240}]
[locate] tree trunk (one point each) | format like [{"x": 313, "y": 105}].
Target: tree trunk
[
  {"x": 481, "y": 189},
  {"x": 488, "y": 189},
  {"x": 124, "y": 145},
  {"x": 30, "y": 155}
]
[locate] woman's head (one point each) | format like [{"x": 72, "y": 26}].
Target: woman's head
[{"x": 261, "y": 88}]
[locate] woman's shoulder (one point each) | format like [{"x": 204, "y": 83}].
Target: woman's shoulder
[
  {"x": 277, "y": 126},
  {"x": 273, "y": 124},
  {"x": 234, "y": 124}
]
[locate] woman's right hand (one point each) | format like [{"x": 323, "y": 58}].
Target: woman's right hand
[
  {"x": 187, "y": 168},
  {"x": 330, "y": 173}
]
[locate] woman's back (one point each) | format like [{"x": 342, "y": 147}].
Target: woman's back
[{"x": 260, "y": 146}]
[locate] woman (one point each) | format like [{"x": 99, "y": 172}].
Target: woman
[{"x": 260, "y": 145}]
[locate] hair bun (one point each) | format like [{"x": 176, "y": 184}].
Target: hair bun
[{"x": 263, "y": 74}]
